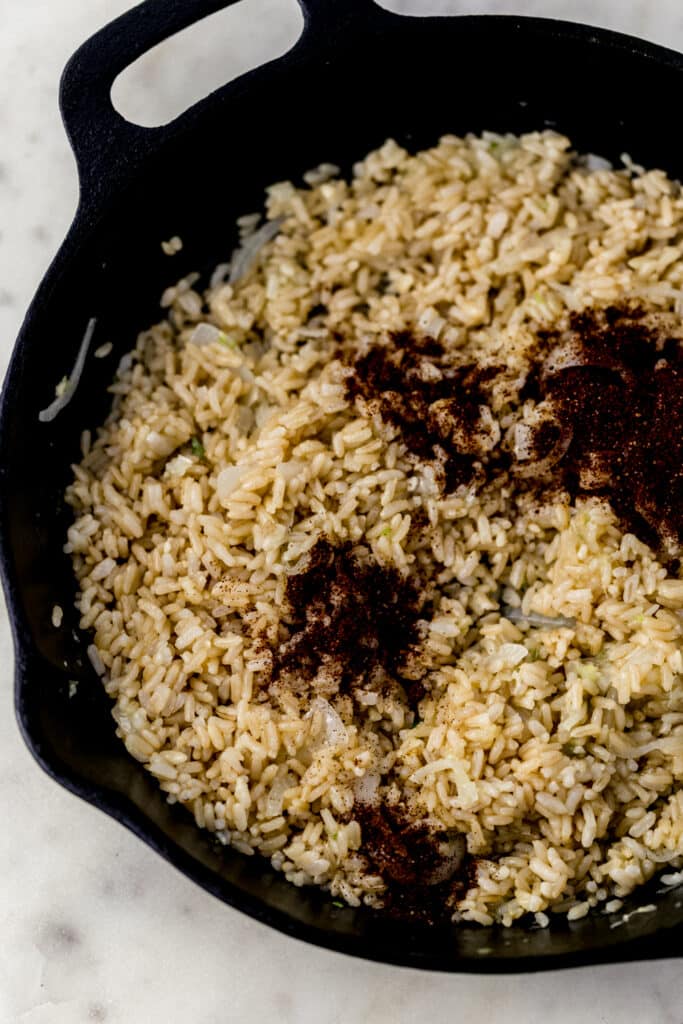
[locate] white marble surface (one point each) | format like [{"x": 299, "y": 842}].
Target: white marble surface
[{"x": 93, "y": 926}]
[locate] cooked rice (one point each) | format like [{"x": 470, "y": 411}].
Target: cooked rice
[{"x": 230, "y": 451}]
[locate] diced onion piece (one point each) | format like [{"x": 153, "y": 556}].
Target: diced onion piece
[
  {"x": 334, "y": 729},
  {"x": 431, "y": 322},
  {"x": 228, "y": 480},
  {"x": 539, "y": 467},
  {"x": 522, "y": 441},
  {"x": 275, "y": 798},
  {"x": 55, "y": 407},
  {"x": 512, "y": 654},
  {"x": 95, "y": 660},
  {"x": 673, "y": 879},
  {"x": 290, "y": 470},
  {"x": 444, "y": 625},
  {"x": 243, "y": 258},
  {"x": 205, "y": 334},
  {"x": 245, "y": 418},
  {"x": 366, "y": 788},
  {"x": 219, "y": 275},
  {"x": 563, "y": 357},
  {"x": 569, "y": 355},
  {"x": 497, "y": 223},
  {"x": 672, "y": 746},
  {"x": 538, "y": 621},
  {"x": 593, "y": 162},
  {"x": 489, "y": 429},
  {"x": 178, "y": 466},
  {"x": 452, "y": 850}
]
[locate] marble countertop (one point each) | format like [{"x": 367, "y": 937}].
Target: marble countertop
[{"x": 93, "y": 925}]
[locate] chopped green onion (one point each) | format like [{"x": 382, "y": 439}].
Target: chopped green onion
[
  {"x": 225, "y": 340},
  {"x": 571, "y": 750},
  {"x": 336, "y": 903},
  {"x": 198, "y": 449},
  {"x": 386, "y": 532}
]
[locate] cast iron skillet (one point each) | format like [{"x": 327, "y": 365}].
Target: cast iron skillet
[{"x": 357, "y": 75}]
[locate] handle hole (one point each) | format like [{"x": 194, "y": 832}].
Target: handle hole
[
  {"x": 172, "y": 76},
  {"x": 432, "y": 8},
  {"x": 610, "y": 15}
]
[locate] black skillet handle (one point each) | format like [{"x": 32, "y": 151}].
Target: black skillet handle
[{"x": 107, "y": 147}]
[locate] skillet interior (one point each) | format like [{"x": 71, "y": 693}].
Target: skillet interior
[{"x": 357, "y": 76}]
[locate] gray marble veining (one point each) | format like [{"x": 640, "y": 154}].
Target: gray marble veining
[{"x": 94, "y": 927}]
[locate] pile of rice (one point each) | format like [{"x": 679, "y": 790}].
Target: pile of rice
[{"x": 232, "y": 447}]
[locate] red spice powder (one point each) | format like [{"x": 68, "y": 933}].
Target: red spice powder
[
  {"x": 435, "y": 405},
  {"x": 615, "y": 396},
  {"x": 612, "y": 383},
  {"x": 426, "y": 870},
  {"x": 352, "y": 623}
]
